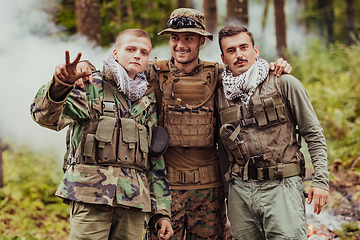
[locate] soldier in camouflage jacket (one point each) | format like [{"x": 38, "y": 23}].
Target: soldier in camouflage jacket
[{"x": 108, "y": 191}]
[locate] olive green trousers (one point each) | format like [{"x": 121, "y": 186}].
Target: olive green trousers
[
  {"x": 269, "y": 209},
  {"x": 90, "y": 223}
]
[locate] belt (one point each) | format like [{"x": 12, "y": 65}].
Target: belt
[
  {"x": 202, "y": 175},
  {"x": 276, "y": 172}
]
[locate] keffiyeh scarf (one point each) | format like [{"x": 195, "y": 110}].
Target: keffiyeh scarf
[
  {"x": 245, "y": 84},
  {"x": 133, "y": 89}
]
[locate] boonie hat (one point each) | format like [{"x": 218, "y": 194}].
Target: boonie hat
[{"x": 187, "y": 20}]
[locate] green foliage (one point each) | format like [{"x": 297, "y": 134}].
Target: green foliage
[
  {"x": 334, "y": 13},
  {"x": 330, "y": 76},
  {"x": 118, "y": 15},
  {"x": 29, "y": 208},
  {"x": 349, "y": 231}
]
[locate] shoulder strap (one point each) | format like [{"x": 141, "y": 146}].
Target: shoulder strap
[
  {"x": 109, "y": 101},
  {"x": 215, "y": 69}
]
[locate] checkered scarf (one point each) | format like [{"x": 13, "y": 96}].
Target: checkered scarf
[
  {"x": 133, "y": 89},
  {"x": 245, "y": 84}
]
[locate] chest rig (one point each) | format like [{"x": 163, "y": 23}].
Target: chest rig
[
  {"x": 114, "y": 140},
  {"x": 188, "y": 105},
  {"x": 260, "y": 138}
]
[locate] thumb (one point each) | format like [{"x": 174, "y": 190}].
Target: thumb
[
  {"x": 310, "y": 196},
  {"x": 161, "y": 232}
]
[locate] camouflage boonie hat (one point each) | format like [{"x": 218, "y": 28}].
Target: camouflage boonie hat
[{"x": 187, "y": 20}]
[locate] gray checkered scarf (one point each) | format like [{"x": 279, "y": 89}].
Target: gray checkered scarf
[
  {"x": 133, "y": 89},
  {"x": 245, "y": 84}
]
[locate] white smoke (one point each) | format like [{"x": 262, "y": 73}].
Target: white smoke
[{"x": 29, "y": 52}]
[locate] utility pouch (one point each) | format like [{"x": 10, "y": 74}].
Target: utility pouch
[
  {"x": 142, "y": 151},
  {"x": 128, "y": 137},
  {"x": 106, "y": 140},
  {"x": 159, "y": 141},
  {"x": 233, "y": 146}
]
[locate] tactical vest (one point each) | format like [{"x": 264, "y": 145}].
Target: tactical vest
[
  {"x": 260, "y": 139},
  {"x": 188, "y": 105},
  {"x": 114, "y": 140}
]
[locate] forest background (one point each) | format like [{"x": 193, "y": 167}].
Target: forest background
[{"x": 320, "y": 38}]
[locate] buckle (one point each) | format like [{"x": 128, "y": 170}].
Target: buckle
[
  {"x": 108, "y": 106},
  {"x": 187, "y": 177},
  {"x": 247, "y": 122},
  {"x": 257, "y": 158}
]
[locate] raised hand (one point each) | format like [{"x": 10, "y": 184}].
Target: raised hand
[{"x": 70, "y": 72}]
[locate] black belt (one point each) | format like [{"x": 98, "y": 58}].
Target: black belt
[{"x": 267, "y": 173}]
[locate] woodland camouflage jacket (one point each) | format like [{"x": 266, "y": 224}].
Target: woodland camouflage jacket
[{"x": 57, "y": 104}]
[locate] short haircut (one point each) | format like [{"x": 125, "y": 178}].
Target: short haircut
[
  {"x": 131, "y": 31},
  {"x": 232, "y": 30}
]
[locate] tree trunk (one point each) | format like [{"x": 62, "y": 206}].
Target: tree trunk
[
  {"x": 88, "y": 20},
  {"x": 181, "y": 3},
  {"x": 210, "y": 15},
  {"x": 328, "y": 7},
  {"x": 350, "y": 20},
  {"x": 237, "y": 12},
  {"x": 122, "y": 11},
  {"x": 1, "y": 166},
  {"x": 280, "y": 27}
]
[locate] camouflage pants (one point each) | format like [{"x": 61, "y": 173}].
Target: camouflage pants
[
  {"x": 200, "y": 214},
  {"x": 196, "y": 214}
]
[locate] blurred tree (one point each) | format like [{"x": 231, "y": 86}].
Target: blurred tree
[
  {"x": 280, "y": 27},
  {"x": 237, "y": 12},
  {"x": 328, "y": 14},
  {"x": 88, "y": 22},
  {"x": 118, "y": 15},
  {"x": 350, "y": 21},
  {"x": 181, "y": 3},
  {"x": 210, "y": 12}
]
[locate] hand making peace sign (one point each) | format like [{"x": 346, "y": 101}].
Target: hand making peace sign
[{"x": 70, "y": 72}]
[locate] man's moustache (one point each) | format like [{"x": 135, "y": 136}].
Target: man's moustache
[{"x": 244, "y": 60}]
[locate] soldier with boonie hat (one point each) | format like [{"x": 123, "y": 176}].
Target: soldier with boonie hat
[
  {"x": 184, "y": 87},
  {"x": 187, "y": 20}
]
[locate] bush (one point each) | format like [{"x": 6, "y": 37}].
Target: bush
[{"x": 29, "y": 208}]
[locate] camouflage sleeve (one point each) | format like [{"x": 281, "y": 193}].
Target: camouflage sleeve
[
  {"x": 159, "y": 188},
  {"x": 159, "y": 183},
  {"x": 56, "y": 104}
]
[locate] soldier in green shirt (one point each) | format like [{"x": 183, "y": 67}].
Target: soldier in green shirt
[
  {"x": 110, "y": 182},
  {"x": 259, "y": 113}
]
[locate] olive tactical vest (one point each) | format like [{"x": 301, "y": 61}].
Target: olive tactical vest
[
  {"x": 188, "y": 105},
  {"x": 114, "y": 140},
  {"x": 261, "y": 136}
]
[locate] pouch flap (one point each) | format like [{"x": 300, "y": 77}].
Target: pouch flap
[
  {"x": 105, "y": 129},
  {"x": 129, "y": 130}
]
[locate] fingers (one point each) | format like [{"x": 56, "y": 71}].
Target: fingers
[
  {"x": 77, "y": 59},
  {"x": 67, "y": 57},
  {"x": 80, "y": 83},
  {"x": 288, "y": 69},
  {"x": 61, "y": 72}
]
